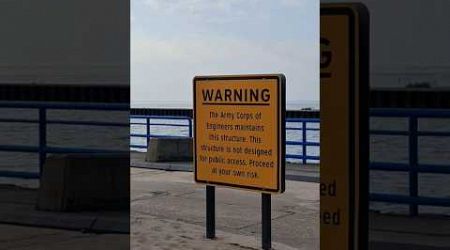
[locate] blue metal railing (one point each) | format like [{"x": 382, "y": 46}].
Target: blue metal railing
[
  {"x": 161, "y": 121},
  {"x": 167, "y": 121},
  {"x": 42, "y": 148},
  {"x": 413, "y": 166},
  {"x": 304, "y": 142}
]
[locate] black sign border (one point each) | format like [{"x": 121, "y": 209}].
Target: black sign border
[
  {"x": 281, "y": 127},
  {"x": 357, "y": 11}
]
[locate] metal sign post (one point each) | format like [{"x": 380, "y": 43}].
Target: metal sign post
[
  {"x": 266, "y": 221},
  {"x": 210, "y": 212}
]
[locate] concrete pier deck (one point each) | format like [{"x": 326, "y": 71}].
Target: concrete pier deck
[{"x": 168, "y": 212}]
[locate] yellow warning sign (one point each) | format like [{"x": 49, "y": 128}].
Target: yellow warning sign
[
  {"x": 344, "y": 124},
  {"x": 239, "y": 131}
]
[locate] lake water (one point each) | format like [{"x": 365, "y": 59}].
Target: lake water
[
  {"x": 291, "y": 135},
  {"x": 432, "y": 150}
]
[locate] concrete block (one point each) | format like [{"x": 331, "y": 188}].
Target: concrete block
[
  {"x": 74, "y": 182},
  {"x": 169, "y": 150}
]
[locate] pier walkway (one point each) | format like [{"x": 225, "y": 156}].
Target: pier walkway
[{"x": 168, "y": 212}]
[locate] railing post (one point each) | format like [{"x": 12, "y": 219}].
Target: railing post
[
  {"x": 147, "y": 133},
  {"x": 190, "y": 127},
  {"x": 304, "y": 142},
  {"x": 413, "y": 161},
  {"x": 42, "y": 138}
]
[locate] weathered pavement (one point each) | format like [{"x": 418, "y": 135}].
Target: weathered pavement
[
  {"x": 33, "y": 238},
  {"x": 168, "y": 212},
  {"x": 22, "y": 227}
]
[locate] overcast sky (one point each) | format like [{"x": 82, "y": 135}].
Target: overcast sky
[{"x": 174, "y": 40}]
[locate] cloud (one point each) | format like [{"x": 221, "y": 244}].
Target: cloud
[
  {"x": 211, "y": 11},
  {"x": 296, "y": 3},
  {"x": 174, "y": 40},
  {"x": 173, "y": 63}
]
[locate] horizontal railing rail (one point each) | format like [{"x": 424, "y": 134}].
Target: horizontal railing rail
[
  {"x": 42, "y": 148},
  {"x": 162, "y": 121},
  {"x": 413, "y": 167},
  {"x": 167, "y": 121},
  {"x": 303, "y": 142}
]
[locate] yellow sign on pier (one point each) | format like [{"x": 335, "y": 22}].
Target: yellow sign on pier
[
  {"x": 240, "y": 131},
  {"x": 343, "y": 126}
]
